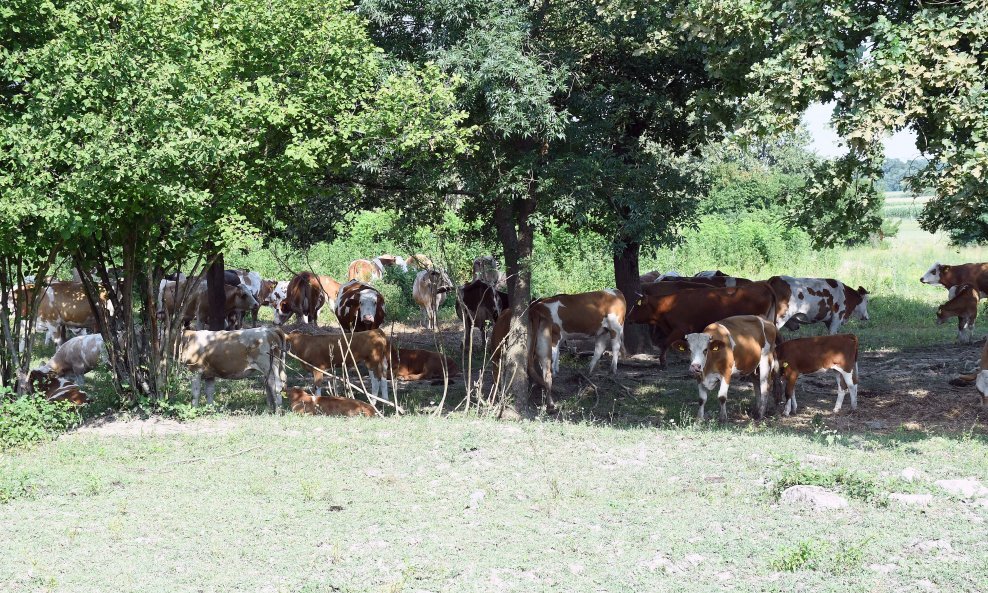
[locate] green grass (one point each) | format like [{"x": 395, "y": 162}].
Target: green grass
[{"x": 315, "y": 504}]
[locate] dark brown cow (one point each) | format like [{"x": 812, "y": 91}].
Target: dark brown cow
[
  {"x": 478, "y": 304},
  {"x": 359, "y": 307},
  {"x": 716, "y": 281},
  {"x": 964, "y": 306},
  {"x": 304, "y": 298},
  {"x": 666, "y": 288},
  {"x": 804, "y": 356},
  {"x": 421, "y": 365},
  {"x": 949, "y": 276},
  {"x": 302, "y": 402},
  {"x": 688, "y": 311}
]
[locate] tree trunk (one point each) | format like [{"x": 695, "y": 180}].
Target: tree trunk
[
  {"x": 515, "y": 233},
  {"x": 627, "y": 275},
  {"x": 216, "y": 294}
]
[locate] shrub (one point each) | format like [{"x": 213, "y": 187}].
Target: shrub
[
  {"x": 748, "y": 241},
  {"x": 30, "y": 419},
  {"x": 854, "y": 484},
  {"x": 396, "y": 287}
]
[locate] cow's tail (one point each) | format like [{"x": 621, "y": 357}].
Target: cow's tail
[
  {"x": 773, "y": 312},
  {"x": 540, "y": 329}
]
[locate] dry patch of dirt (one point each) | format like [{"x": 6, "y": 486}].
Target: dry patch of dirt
[{"x": 154, "y": 426}]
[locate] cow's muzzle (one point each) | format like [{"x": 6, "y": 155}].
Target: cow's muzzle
[
  {"x": 367, "y": 319},
  {"x": 695, "y": 368}
]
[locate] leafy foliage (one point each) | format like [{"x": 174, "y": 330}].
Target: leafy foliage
[{"x": 30, "y": 419}]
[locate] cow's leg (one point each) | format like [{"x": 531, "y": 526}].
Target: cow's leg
[
  {"x": 849, "y": 381},
  {"x": 317, "y": 380},
  {"x": 273, "y": 386},
  {"x": 764, "y": 383},
  {"x": 598, "y": 350},
  {"x": 555, "y": 358},
  {"x": 703, "y": 400},
  {"x": 840, "y": 389},
  {"x": 790, "y": 379},
  {"x": 617, "y": 340},
  {"x": 725, "y": 383},
  {"x": 210, "y": 391},
  {"x": 834, "y": 326},
  {"x": 196, "y": 387}
]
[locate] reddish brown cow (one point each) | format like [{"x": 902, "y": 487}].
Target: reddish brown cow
[
  {"x": 667, "y": 288},
  {"x": 365, "y": 270},
  {"x": 421, "y": 365},
  {"x": 950, "y": 276},
  {"x": 964, "y": 306},
  {"x": 64, "y": 306},
  {"x": 328, "y": 351},
  {"x": 303, "y": 402},
  {"x": 818, "y": 354},
  {"x": 687, "y": 311},
  {"x": 359, "y": 307},
  {"x": 478, "y": 304},
  {"x": 305, "y": 298}
]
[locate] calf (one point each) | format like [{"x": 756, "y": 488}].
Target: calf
[
  {"x": 303, "y": 297},
  {"x": 328, "y": 351},
  {"x": 429, "y": 291},
  {"x": 598, "y": 315},
  {"x": 963, "y": 305},
  {"x": 818, "y": 354},
  {"x": 303, "y": 402},
  {"x": 365, "y": 270},
  {"x": 687, "y": 311},
  {"x": 57, "y": 389},
  {"x": 75, "y": 358},
  {"x": 359, "y": 307},
  {"x": 421, "y": 365},
  {"x": 235, "y": 354},
  {"x": 802, "y": 301},
  {"x": 743, "y": 344},
  {"x": 949, "y": 276},
  {"x": 479, "y": 303}
]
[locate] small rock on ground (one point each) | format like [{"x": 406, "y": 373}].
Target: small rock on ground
[
  {"x": 816, "y": 496},
  {"x": 916, "y": 500},
  {"x": 966, "y": 488},
  {"x": 911, "y": 474}
]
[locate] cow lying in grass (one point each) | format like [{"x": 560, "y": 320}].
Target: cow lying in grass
[
  {"x": 328, "y": 351},
  {"x": 73, "y": 359},
  {"x": 963, "y": 305},
  {"x": 818, "y": 354},
  {"x": 421, "y": 365},
  {"x": 303, "y": 402}
]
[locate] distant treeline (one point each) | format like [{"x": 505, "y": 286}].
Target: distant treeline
[{"x": 896, "y": 171}]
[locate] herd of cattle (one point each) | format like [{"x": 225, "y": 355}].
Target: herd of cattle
[{"x": 727, "y": 327}]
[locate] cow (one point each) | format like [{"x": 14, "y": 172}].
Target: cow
[
  {"x": 667, "y": 288},
  {"x": 278, "y": 293},
  {"x": 359, "y": 307},
  {"x": 303, "y": 297},
  {"x": 365, "y": 270},
  {"x": 392, "y": 261},
  {"x": 716, "y": 281},
  {"x": 429, "y": 291},
  {"x": 486, "y": 268},
  {"x": 328, "y": 351},
  {"x": 818, "y": 354},
  {"x": 980, "y": 378},
  {"x": 598, "y": 315},
  {"x": 302, "y": 402},
  {"x": 653, "y": 276},
  {"x": 477, "y": 304},
  {"x": 949, "y": 276},
  {"x": 253, "y": 283},
  {"x": 691, "y": 310},
  {"x": 235, "y": 354},
  {"x": 57, "y": 389},
  {"x": 963, "y": 305},
  {"x": 803, "y": 301},
  {"x": 742, "y": 344},
  {"x": 498, "y": 335},
  {"x": 64, "y": 306},
  {"x": 75, "y": 358},
  {"x": 330, "y": 288},
  {"x": 421, "y": 365},
  {"x": 237, "y": 300},
  {"x": 419, "y": 262}
]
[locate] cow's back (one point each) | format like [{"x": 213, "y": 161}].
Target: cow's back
[{"x": 751, "y": 335}]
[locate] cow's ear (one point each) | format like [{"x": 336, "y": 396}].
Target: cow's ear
[
  {"x": 640, "y": 302},
  {"x": 680, "y": 346},
  {"x": 944, "y": 267},
  {"x": 716, "y": 345},
  {"x": 862, "y": 291}
]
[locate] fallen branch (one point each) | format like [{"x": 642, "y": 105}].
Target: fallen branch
[{"x": 196, "y": 459}]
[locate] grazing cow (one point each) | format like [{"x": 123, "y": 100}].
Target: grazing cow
[
  {"x": 963, "y": 305},
  {"x": 477, "y": 304},
  {"x": 75, "y": 358},
  {"x": 365, "y": 270},
  {"x": 329, "y": 351},
  {"x": 743, "y": 344},
  {"x": 419, "y": 262},
  {"x": 303, "y": 402},
  {"x": 949, "y": 276},
  {"x": 691, "y": 310},
  {"x": 421, "y": 365},
  {"x": 804, "y": 356},
  {"x": 597, "y": 315},
  {"x": 359, "y": 307},
  {"x": 303, "y": 297},
  {"x": 486, "y": 268},
  {"x": 429, "y": 291},
  {"x": 802, "y": 301},
  {"x": 238, "y": 300},
  {"x": 235, "y": 354}
]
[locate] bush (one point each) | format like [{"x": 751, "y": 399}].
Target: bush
[
  {"x": 31, "y": 419},
  {"x": 853, "y": 484},
  {"x": 396, "y": 287},
  {"x": 749, "y": 241}
]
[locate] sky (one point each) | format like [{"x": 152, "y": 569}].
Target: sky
[{"x": 826, "y": 142}]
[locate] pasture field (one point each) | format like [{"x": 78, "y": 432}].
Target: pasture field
[{"x": 622, "y": 491}]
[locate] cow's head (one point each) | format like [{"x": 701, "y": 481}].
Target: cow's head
[
  {"x": 642, "y": 310},
  {"x": 861, "y": 310},
  {"x": 710, "y": 357},
  {"x": 486, "y": 268},
  {"x": 934, "y": 274},
  {"x": 67, "y": 391},
  {"x": 440, "y": 281},
  {"x": 368, "y": 300},
  {"x": 282, "y": 311},
  {"x": 240, "y": 298}
]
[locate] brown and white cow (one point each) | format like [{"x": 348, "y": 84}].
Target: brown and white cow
[
  {"x": 238, "y": 300},
  {"x": 598, "y": 315},
  {"x": 818, "y": 354},
  {"x": 64, "y": 306},
  {"x": 328, "y": 351},
  {"x": 392, "y": 261},
  {"x": 739, "y": 345},
  {"x": 236, "y": 354},
  {"x": 278, "y": 293},
  {"x": 949, "y": 276},
  {"x": 963, "y": 305},
  {"x": 687, "y": 311},
  {"x": 419, "y": 262},
  {"x": 302, "y": 402},
  {"x": 359, "y": 307},
  {"x": 57, "y": 389},
  {"x": 429, "y": 291},
  {"x": 803, "y": 301},
  {"x": 479, "y": 303},
  {"x": 365, "y": 270},
  {"x": 421, "y": 365},
  {"x": 255, "y": 285},
  {"x": 303, "y": 297},
  {"x": 75, "y": 358},
  {"x": 486, "y": 268}
]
